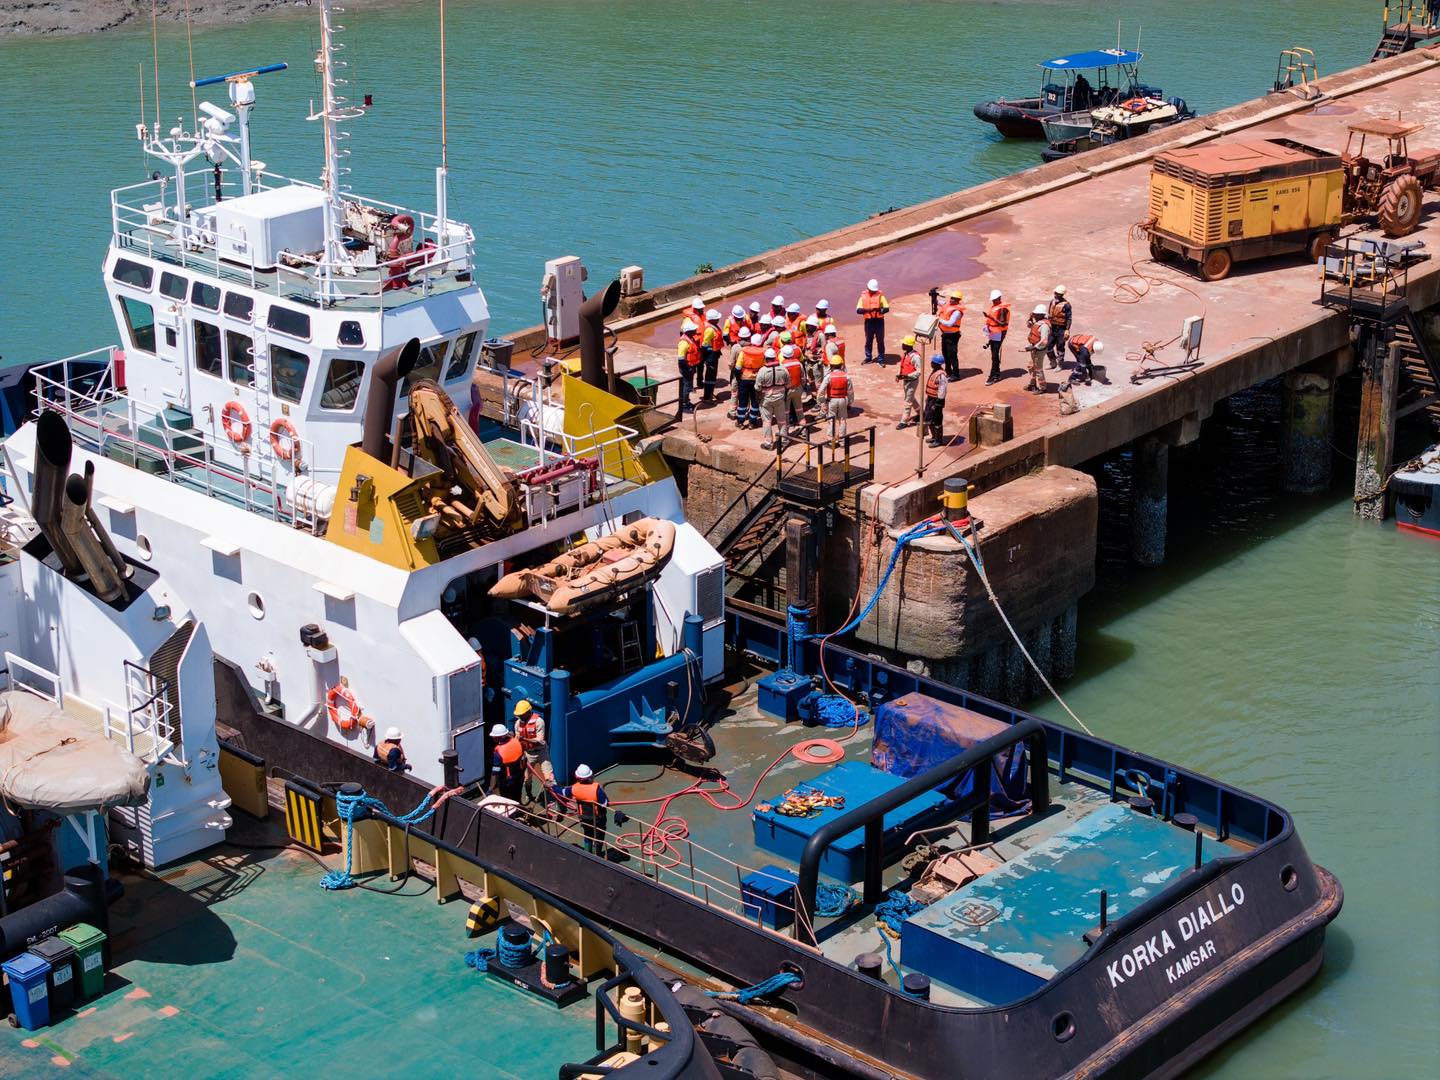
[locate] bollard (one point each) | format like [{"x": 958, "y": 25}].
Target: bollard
[
  {"x": 869, "y": 964},
  {"x": 916, "y": 985}
]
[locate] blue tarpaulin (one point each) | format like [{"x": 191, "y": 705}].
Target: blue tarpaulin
[{"x": 1099, "y": 58}]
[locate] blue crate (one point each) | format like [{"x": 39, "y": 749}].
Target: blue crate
[{"x": 769, "y": 895}]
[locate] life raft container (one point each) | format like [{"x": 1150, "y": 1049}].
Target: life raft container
[{"x": 594, "y": 571}]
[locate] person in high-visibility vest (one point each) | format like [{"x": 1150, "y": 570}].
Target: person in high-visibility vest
[
  {"x": 814, "y": 357},
  {"x": 747, "y": 409},
  {"x": 712, "y": 341},
  {"x": 838, "y": 393},
  {"x": 936, "y": 384},
  {"x": 591, "y": 807},
  {"x": 793, "y": 318},
  {"x": 687, "y": 357},
  {"x": 873, "y": 307},
  {"x": 997, "y": 325},
  {"x": 731, "y": 329},
  {"x": 909, "y": 378},
  {"x": 951, "y": 314},
  {"x": 1084, "y": 348},
  {"x": 737, "y": 355},
  {"x": 530, "y": 730},
  {"x": 390, "y": 754},
  {"x": 752, "y": 317},
  {"x": 777, "y": 309},
  {"x": 1061, "y": 316},
  {"x": 794, "y": 366},
  {"x": 822, "y": 314},
  {"x": 773, "y": 385},
  {"x": 1037, "y": 344},
  {"x": 507, "y": 764}
]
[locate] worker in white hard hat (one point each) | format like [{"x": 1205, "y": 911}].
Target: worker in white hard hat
[
  {"x": 390, "y": 754},
  {"x": 732, "y": 326},
  {"x": 997, "y": 325},
  {"x": 873, "y": 307},
  {"x": 712, "y": 342},
  {"x": 1084, "y": 348},
  {"x": 951, "y": 315},
  {"x": 752, "y": 316},
  {"x": 772, "y": 386},
  {"x": 530, "y": 730},
  {"x": 688, "y": 359},
  {"x": 507, "y": 764},
  {"x": 777, "y": 308},
  {"x": 822, "y": 313},
  {"x": 1061, "y": 316},
  {"x": 1037, "y": 344},
  {"x": 794, "y": 318},
  {"x": 794, "y": 365},
  {"x": 590, "y": 803},
  {"x": 737, "y": 358}
]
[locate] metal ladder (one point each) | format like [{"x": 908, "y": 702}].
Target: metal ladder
[{"x": 630, "y": 655}]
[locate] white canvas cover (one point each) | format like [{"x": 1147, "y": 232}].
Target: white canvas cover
[{"x": 50, "y": 760}]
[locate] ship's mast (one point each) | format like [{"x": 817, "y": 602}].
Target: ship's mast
[{"x": 335, "y": 110}]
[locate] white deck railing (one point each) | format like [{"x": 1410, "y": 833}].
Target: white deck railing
[{"x": 143, "y": 219}]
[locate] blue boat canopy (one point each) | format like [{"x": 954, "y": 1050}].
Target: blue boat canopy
[{"x": 1099, "y": 58}]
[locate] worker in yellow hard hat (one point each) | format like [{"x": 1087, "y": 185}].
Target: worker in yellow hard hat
[
  {"x": 909, "y": 379},
  {"x": 530, "y": 730}
]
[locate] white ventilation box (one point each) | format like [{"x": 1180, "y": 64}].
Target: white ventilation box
[
  {"x": 632, "y": 281},
  {"x": 562, "y": 289},
  {"x": 254, "y": 229}
]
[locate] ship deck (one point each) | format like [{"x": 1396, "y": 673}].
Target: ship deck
[
  {"x": 238, "y": 964},
  {"x": 720, "y": 847}
]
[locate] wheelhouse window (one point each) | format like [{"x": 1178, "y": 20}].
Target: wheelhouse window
[
  {"x": 351, "y": 333},
  {"x": 173, "y": 286},
  {"x": 240, "y": 350},
  {"x": 427, "y": 365},
  {"x": 207, "y": 349},
  {"x": 140, "y": 322},
  {"x": 288, "y": 369},
  {"x": 342, "y": 384},
  {"x": 239, "y": 306},
  {"x": 460, "y": 358},
  {"x": 289, "y": 322},
  {"x": 205, "y": 295},
  {"x": 136, "y": 275}
]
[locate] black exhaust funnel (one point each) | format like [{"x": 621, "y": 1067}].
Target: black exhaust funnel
[
  {"x": 380, "y": 406},
  {"x": 593, "y": 313}
]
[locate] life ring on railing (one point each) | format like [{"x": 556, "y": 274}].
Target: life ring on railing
[
  {"x": 285, "y": 440},
  {"x": 1135, "y": 105},
  {"x": 338, "y": 696},
  {"x": 236, "y": 422}
]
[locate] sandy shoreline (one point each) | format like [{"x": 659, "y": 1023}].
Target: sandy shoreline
[{"x": 37, "y": 18}]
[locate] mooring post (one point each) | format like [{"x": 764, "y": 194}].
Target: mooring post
[
  {"x": 1307, "y": 399},
  {"x": 1375, "y": 440},
  {"x": 1150, "y": 485}
]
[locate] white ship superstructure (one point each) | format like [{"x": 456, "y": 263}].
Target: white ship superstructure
[{"x": 253, "y": 463}]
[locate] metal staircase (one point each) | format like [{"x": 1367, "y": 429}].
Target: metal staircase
[
  {"x": 1420, "y": 365},
  {"x": 1395, "y": 40}
]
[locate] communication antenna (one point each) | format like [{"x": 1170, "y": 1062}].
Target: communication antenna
[
  {"x": 242, "y": 96},
  {"x": 155, "y": 62},
  {"x": 335, "y": 110},
  {"x": 442, "y": 174}
]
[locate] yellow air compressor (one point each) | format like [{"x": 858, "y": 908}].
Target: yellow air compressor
[{"x": 1221, "y": 203}]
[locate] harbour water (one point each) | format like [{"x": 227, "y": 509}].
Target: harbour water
[{"x": 1284, "y": 646}]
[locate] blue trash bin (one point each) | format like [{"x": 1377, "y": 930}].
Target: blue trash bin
[{"x": 29, "y": 990}]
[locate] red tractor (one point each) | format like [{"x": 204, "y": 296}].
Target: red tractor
[{"x": 1390, "y": 188}]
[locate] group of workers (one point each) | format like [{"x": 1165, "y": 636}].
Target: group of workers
[{"x": 784, "y": 362}]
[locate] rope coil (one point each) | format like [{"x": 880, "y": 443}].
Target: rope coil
[
  {"x": 353, "y": 808},
  {"x": 745, "y": 995}
]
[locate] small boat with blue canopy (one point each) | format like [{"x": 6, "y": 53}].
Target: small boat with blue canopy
[{"x": 1065, "y": 88}]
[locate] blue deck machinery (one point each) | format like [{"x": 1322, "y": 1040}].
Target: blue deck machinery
[{"x": 566, "y": 667}]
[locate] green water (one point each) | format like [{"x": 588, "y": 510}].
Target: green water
[{"x": 1285, "y": 647}]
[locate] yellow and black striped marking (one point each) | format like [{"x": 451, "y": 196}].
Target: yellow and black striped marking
[
  {"x": 302, "y": 816},
  {"x": 484, "y": 916}
]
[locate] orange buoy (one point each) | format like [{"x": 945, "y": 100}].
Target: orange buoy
[
  {"x": 285, "y": 440},
  {"x": 236, "y": 422}
]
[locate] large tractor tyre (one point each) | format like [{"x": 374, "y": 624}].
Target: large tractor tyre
[
  {"x": 1318, "y": 243},
  {"x": 1400, "y": 205}
]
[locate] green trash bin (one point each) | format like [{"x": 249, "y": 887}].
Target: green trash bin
[
  {"x": 647, "y": 390},
  {"x": 89, "y": 946}
]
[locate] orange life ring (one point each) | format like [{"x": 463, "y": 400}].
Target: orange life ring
[
  {"x": 341, "y": 694},
  {"x": 285, "y": 440},
  {"x": 236, "y": 422},
  {"x": 1135, "y": 105}
]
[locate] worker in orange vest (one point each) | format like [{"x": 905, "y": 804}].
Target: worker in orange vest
[
  {"x": 777, "y": 310},
  {"x": 530, "y": 730},
  {"x": 822, "y": 314},
  {"x": 732, "y": 326},
  {"x": 1061, "y": 316},
  {"x": 507, "y": 764},
  {"x": 997, "y": 325},
  {"x": 936, "y": 384},
  {"x": 794, "y": 365},
  {"x": 591, "y": 807},
  {"x": 695, "y": 312},
  {"x": 752, "y": 317},
  {"x": 737, "y": 353},
  {"x": 951, "y": 315},
  {"x": 1084, "y": 348},
  {"x": 793, "y": 318},
  {"x": 839, "y": 395},
  {"x": 772, "y": 385},
  {"x": 747, "y": 408},
  {"x": 390, "y": 754},
  {"x": 909, "y": 377},
  {"x": 687, "y": 356},
  {"x": 873, "y": 307},
  {"x": 712, "y": 341}
]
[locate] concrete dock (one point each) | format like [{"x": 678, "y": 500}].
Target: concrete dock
[{"x": 1069, "y": 222}]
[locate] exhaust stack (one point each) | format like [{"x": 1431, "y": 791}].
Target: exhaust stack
[
  {"x": 62, "y": 510},
  {"x": 593, "y": 313},
  {"x": 380, "y": 406}
]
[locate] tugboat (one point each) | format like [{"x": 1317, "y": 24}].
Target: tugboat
[
  {"x": 1416, "y": 488},
  {"x": 1073, "y": 133},
  {"x": 294, "y": 539},
  {"x": 1064, "y": 89}
]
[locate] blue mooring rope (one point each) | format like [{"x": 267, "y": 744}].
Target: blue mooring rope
[
  {"x": 352, "y": 808},
  {"x": 837, "y": 711},
  {"x": 510, "y": 954},
  {"x": 915, "y": 532},
  {"x": 833, "y": 900},
  {"x": 766, "y": 987},
  {"x": 892, "y": 913}
]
